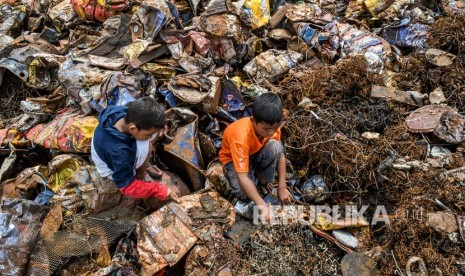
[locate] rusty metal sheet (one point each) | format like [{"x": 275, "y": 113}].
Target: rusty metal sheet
[
  {"x": 195, "y": 64},
  {"x": 216, "y": 179},
  {"x": 174, "y": 183},
  {"x": 146, "y": 22},
  {"x": 212, "y": 100},
  {"x": 451, "y": 127},
  {"x": 52, "y": 222},
  {"x": 62, "y": 14},
  {"x": 377, "y": 6},
  {"x": 215, "y": 7},
  {"x": 426, "y": 119},
  {"x": 29, "y": 179},
  {"x": 439, "y": 57},
  {"x": 190, "y": 88},
  {"x": 44, "y": 104},
  {"x": 115, "y": 35},
  {"x": 166, "y": 235},
  {"x": 461, "y": 225},
  {"x": 195, "y": 41},
  {"x": 308, "y": 13},
  {"x": 107, "y": 63},
  {"x": 241, "y": 230},
  {"x": 14, "y": 17},
  {"x": 408, "y": 97},
  {"x": 280, "y": 34},
  {"x": 184, "y": 145},
  {"x": 272, "y": 64},
  {"x": 207, "y": 146},
  {"x": 61, "y": 169},
  {"x": 42, "y": 70},
  {"x": 224, "y": 26},
  {"x": 20, "y": 223},
  {"x": 98, "y": 194},
  {"x": 152, "y": 52},
  {"x": 163, "y": 239},
  {"x": 8, "y": 163},
  {"x": 206, "y": 207},
  {"x": 15, "y": 63},
  {"x": 223, "y": 48},
  {"x": 185, "y": 142}
]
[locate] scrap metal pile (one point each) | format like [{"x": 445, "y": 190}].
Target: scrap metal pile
[{"x": 375, "y": 115}]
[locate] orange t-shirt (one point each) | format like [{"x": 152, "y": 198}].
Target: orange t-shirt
[{"x": 240, "y": 142}]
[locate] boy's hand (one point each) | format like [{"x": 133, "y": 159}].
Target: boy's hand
[
  {"x": 141, "y": 174},
  {"x": 284, "y": 196},
  {"x": 172, "y": 196}
]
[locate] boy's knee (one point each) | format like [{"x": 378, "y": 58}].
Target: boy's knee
[{"x": 274, "y": 148}]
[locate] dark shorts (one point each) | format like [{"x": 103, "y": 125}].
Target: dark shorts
[{"x": 262, "y": 167}]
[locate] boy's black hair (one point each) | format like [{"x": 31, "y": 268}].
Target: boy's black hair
[
  {"x": 268, "y": 108},
  {"x": 146, "y": 113}
]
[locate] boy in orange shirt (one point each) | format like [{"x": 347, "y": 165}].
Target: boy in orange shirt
[{"x": 251, "y": 152}]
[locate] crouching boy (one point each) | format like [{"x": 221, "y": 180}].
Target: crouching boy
[
  {"x": 121, "y": 147},
  {"x": 251, "y": 152}
]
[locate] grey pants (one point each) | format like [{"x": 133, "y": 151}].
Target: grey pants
[{"x": 262, "y": 167}]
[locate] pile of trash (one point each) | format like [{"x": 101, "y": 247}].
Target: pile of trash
[{"x": 373, "y": 92}]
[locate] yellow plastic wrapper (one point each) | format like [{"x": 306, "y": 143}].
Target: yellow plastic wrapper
[
  {"x": 354, "y": 8},
  {"x": 80, "y": 135},
  {"x": 13, "y": 136},
  {"x": 62, "y": 169},
  {"x": 377, "y": 6},
  {"x": 68, "y": 132},
  {"x": 325, "y": 223},
  {"x": 256, "y": 13},
  {"x": 159, "y": 71},
  {"x": 135, "y": 49}
]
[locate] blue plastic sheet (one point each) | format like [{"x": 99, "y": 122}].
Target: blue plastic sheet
[
  {"x": 44, "y": 197},
  {"x": 120, "y": 97},
  {"x": 169, "y": 97},
  {"x": 307, "y": 33},
  {"x": 407, "y": 36}
]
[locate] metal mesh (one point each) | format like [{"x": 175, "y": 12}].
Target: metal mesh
[{"x": 82, "y": 235}]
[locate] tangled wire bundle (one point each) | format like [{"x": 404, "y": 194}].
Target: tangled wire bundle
[
  {"x": 325, "y": 86},
  {"x": 329, "y": 142},
  {"x": 12, "y": 92},
  {"x": 408, "y": 234},
  {"x": 285, "y": 250},
  {"x": 448, "y": 32},
  {"x": 419, "y": 75}
]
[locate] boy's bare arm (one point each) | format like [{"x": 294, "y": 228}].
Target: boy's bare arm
[
  {"x": 249, "y": 189},
  {"x": 141, "y": 172},
  {"x": 284, "y": 195},
  {"x": 282, "y": 172}
]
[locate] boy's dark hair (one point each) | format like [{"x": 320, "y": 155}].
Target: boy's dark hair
[
  {"x": 145, "y": 113},
  {"x": 267, "y": 108}
]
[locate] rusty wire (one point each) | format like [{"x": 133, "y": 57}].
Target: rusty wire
[
  {"x": 327, "y": 140},
  {"x": 418, "y": 74},
  {"x": 408, "y": 234},
  {"x": 327, "y": 85},
  {"x": 448, "y": 32},
  {"x": 12, "y": 92},
  {"x": 288, "y": 250}
]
